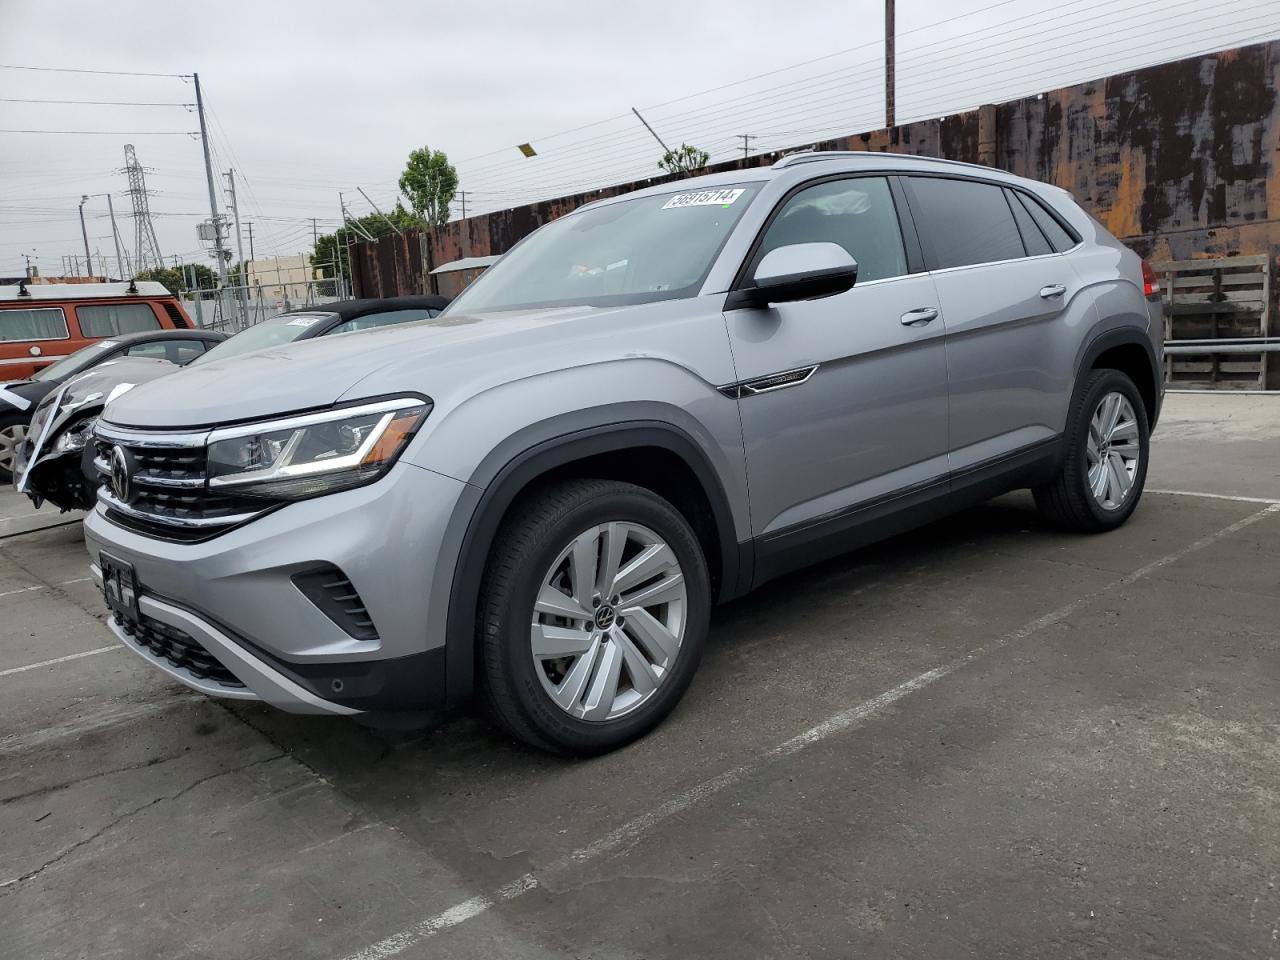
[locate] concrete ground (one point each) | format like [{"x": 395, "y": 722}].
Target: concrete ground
[{"x": 985, "y": 739}]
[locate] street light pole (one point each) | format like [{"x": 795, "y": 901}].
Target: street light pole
[{"x": 85, "y": 234}]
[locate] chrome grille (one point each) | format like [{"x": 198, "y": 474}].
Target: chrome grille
[{"x": 168, "y": 493}]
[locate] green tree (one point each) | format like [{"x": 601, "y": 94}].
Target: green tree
[
  {"x": 178, "y": 279},
  {"x": 684, "y": 159},
  {"x": 429, "y": 183}
]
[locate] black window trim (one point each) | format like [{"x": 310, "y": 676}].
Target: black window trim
[
  {"x": 1074, "y": 234},
  {"x": 66, "y": 329},
  {"x": 1022, "y": 237},
  {"x": 906, "y": 228},
  {"x": 1026, "y": 196}
]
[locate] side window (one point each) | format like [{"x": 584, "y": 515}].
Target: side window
[
  {"x": 154, "y": 349},
  {"x": 1032, "y": 238},
  {"x": 175, "y": 351},
  {"x": 1058, "y": 236},
  {"x": 963, "y": 222},
  {"x": 111, "y": 320},
  {"x": 183, "y": 352},
  {"x": 371, "y": 320},
  {"x": 858, "y": 214},
  {"x": 41, "y": 323}
]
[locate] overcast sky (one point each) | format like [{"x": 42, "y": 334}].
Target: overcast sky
[{"x": 310, "y": 98}]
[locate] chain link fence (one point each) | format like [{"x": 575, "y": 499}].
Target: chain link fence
[{"x": 231, "y": 309}]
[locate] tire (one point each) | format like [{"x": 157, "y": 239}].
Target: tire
[
  {"x": 10, "y": 423},
  {"x": 1069, "y": 501},
  {"x": 545, "y": 559}
]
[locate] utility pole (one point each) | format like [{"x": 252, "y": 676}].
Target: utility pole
[
  {"x": 243, "y": 293},
  {"x": 115, "y": 235},
  {"x": 462, "y": 196},
  {"x": 652, "y": 131},
  {"x": 85, "y": 234},
  {"x": 889, "y": 65},
  {"x": 249, "y": 227},
  {"x": 213, "y": 194},
  {"x": 337, "y": 249},
  {"x": 748, "y": 137}
]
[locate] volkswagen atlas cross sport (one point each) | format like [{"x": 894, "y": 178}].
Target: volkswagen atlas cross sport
[{"x": 648, "y": 406}]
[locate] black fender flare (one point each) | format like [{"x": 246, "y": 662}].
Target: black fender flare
[
  {"x": 526, "y": 467},
  {"x": 1123, "y": 337}
]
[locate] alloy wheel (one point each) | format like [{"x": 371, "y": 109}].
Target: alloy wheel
[
  {"x": 608, "y": 621},
  {"x": 1113, "y": 451},
  {"x": 10, "y": 438}
]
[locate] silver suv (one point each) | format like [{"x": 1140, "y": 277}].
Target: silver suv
[{"x": 648, "y": 407}]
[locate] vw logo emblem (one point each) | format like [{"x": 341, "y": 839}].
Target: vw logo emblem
[
  {"x": 605, "y": 617},
  {"x": 120, "y": 474}
]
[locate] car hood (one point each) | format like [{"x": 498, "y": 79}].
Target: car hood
[
  {"x": 22, "y": 394},
  {"x": 310, "y": 374}
]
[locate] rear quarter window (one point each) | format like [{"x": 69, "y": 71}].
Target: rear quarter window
[
  {"x": 1053, "y": 230},
  {"x": 34, "y": 323},
  {"x": 114, "y": 319}
]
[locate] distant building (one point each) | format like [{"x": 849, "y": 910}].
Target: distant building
[{"x": 274, "y": 275}]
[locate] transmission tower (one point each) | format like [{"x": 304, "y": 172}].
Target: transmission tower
[{"x": 146, "y": 248}]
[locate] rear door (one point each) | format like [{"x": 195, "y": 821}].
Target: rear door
[
  {"x": 843, "y": 399},
  {"x": 1010, "y": 303}
]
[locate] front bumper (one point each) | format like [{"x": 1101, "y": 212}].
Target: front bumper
[{"x": 236, "y": 597}]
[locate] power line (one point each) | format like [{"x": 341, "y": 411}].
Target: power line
[
  {"x": 102, "y": 103},
  {"x": 116, "y": 133},
  {"x": 112, "y": 73}
]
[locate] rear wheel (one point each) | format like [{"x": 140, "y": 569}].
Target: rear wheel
[
  {"x": 13, "y": 430},
  {"x": 593, "y": 615},
  {"x": 1105, "y": 467}
]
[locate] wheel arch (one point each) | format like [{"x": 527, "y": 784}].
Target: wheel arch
[
  {"x": 1129, "y": 350},
  {"x": 602, "y": 452}
]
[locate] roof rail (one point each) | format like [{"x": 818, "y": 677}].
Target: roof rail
[{"x": 813, "y": 156}]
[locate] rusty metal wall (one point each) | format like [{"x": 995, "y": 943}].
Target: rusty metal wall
[
  {"x": 1178, "y": 160},
  {"x": 391, "y": 266}
]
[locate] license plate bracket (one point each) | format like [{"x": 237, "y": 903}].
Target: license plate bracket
[{"x": 120, "y": 587}]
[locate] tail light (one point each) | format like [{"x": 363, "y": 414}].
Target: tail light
[{"x": 1150, "y": 285}]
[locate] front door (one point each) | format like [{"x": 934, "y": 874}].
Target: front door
[{"x": 843, "y": 399}]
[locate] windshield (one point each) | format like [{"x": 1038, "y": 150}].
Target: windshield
[
  {"x": 269, "y": 333},
  {"x": 76, "y": 362},
  {"x": 634, "y": 251}
]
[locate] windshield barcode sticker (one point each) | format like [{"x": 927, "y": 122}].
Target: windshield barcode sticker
[{"x": 705, "y": 198}]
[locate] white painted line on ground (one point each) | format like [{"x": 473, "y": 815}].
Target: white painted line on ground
[
  {"x": 1214, "y": 496},
  {"x": 57, "y": 660},
  {"x": 632, "y": 831},
  {"x": 41, "y": 586},
  {"x": 14, "y": 593}
]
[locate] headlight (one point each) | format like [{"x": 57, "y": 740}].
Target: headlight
[
  {"x": 303, "y": 456},
  {"x": 74, "y": 440}
]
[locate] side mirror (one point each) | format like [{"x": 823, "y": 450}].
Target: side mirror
[{"x": 801, "y": 271}]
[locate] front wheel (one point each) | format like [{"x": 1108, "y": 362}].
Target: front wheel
[
  {"x": 1104, "y": 468},
  {"x": 593, "y": 615},
  {"x": 13, "y": 430}
]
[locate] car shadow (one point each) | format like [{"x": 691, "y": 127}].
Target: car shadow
[{"x": 357, "y": 755}]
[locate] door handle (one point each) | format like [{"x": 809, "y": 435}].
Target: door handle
[
  {"x": 919, "y": 316},
  {"x": 1052, "y": 290}
]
